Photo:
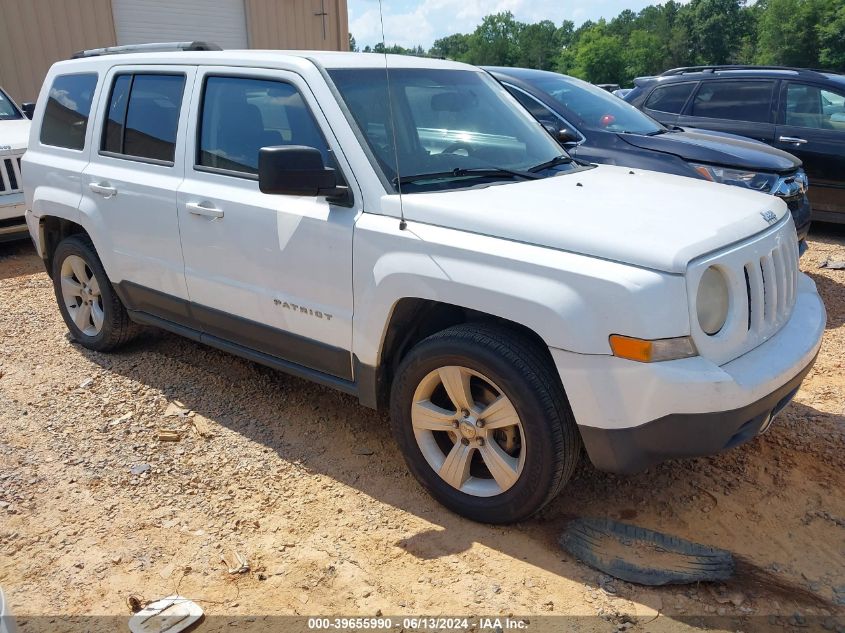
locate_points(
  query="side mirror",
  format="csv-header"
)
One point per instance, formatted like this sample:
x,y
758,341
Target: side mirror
x,y
560,133
296,170
551,127
28,109
565,136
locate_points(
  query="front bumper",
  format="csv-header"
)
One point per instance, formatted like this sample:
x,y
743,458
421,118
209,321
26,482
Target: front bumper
x,y
12,223
633,415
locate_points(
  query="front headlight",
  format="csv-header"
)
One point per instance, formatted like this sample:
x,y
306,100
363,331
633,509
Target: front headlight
x,y
758,181
712,301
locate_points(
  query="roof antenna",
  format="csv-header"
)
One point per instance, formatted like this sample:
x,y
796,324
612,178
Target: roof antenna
x,y
402,224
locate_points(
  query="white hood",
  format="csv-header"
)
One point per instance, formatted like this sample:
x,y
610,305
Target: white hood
x,y
14,134
633,216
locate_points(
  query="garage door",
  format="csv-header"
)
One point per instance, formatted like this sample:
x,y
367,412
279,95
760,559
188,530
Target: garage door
x,y
141,21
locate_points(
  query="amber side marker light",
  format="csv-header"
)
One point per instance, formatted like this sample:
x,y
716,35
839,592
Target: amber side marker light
x,y
701,169
652,351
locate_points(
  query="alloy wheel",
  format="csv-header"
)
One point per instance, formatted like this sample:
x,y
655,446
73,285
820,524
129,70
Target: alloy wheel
x,y
468,431
81,295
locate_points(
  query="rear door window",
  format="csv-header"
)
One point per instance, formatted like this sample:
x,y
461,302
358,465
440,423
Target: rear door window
x,y
736,100
68,108
670,99
116,114
143,116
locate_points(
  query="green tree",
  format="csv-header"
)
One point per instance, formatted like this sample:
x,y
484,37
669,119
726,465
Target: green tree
x,y
787,34
645,54
495,41
807,33
599,58
748,47
831,31
715,29
454,47
352,45
538,45
623,24
565,33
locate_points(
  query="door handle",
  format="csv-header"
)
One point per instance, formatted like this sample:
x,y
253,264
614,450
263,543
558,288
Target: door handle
x,y
198,208
792,139
105,190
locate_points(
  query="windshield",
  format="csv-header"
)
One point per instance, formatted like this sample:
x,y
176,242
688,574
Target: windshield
x,y
8,110
597,108
458,127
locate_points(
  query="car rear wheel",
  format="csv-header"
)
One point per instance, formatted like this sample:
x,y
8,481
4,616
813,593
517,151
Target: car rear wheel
x,y
483,422
89,305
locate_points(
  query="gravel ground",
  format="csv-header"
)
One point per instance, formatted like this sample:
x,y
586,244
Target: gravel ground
x,y
309,488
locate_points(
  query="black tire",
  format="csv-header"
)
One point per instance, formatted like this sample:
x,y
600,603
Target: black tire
x,y
525,374
642,556
117,328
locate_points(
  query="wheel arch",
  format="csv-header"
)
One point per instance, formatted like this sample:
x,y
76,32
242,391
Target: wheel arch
x,y
411,320
51,231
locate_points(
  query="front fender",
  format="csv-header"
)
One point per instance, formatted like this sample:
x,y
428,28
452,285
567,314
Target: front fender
x,y
572,302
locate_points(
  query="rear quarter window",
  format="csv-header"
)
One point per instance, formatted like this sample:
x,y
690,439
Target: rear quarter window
x,y
68,107
669,98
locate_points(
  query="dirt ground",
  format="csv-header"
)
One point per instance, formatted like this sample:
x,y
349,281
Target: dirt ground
x,y
308,486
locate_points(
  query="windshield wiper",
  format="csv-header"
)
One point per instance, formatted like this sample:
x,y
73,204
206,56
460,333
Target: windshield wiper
x,y
460,172
557,160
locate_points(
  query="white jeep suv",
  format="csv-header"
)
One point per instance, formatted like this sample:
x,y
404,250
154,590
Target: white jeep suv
x,y
14,133
417,239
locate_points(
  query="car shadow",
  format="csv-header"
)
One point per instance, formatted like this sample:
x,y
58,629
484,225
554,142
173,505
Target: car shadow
x,y
329,433
829,287
17,258
831,284
827,232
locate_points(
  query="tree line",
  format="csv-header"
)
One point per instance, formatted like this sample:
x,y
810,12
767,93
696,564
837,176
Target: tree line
x,y
806,33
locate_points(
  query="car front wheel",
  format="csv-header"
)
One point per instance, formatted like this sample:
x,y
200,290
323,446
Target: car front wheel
x,y
483,422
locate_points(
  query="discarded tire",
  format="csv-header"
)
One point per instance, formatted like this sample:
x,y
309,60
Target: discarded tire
x,y
642,556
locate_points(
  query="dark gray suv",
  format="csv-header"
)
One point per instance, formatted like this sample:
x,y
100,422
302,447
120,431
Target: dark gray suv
x,y
797,110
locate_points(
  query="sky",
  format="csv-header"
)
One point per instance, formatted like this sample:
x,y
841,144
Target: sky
x,y
412,22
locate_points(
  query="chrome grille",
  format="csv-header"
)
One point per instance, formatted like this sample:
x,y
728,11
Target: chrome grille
x,y
762,276
10,175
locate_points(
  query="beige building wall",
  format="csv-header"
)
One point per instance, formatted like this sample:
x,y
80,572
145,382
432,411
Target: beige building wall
x,y
36,33
298,24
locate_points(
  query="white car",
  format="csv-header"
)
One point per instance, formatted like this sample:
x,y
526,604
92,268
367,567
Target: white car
x,y
506,303
14,134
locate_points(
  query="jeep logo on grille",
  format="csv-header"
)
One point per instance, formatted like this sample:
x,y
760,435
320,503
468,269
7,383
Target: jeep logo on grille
x,y
769,216
5,148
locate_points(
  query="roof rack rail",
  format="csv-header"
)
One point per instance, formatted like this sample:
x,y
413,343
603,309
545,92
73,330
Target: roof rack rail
x,y
826,71
714,67
154,47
